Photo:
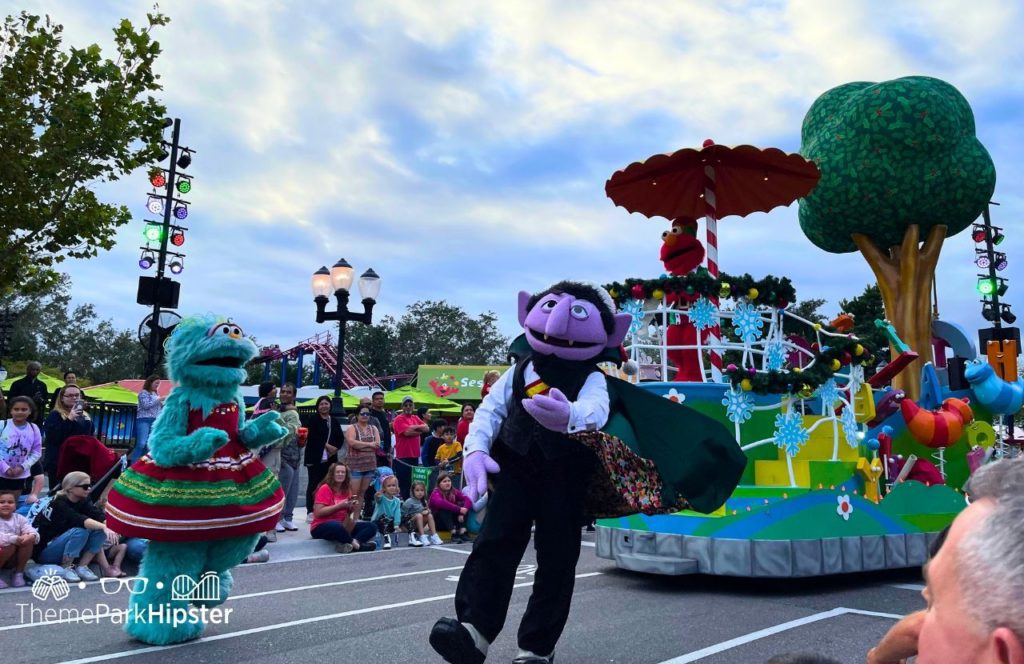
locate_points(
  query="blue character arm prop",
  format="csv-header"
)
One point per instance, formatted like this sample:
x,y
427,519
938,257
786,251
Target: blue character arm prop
x,y
261,431
169,445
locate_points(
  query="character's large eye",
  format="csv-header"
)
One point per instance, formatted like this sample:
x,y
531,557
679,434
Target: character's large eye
x,y
547,305
677,230
227,329
579,312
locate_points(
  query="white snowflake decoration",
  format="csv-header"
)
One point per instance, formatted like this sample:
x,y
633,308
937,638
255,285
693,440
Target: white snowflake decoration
x,y
790,433
634,308
739,405
850,428
774,355
829,394
703,314
748,322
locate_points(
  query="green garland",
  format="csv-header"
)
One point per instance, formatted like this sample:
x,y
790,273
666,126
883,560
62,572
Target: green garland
x,y
769,291
805,381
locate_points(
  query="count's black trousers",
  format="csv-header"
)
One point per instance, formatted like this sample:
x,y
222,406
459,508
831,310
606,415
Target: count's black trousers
x,y
528,490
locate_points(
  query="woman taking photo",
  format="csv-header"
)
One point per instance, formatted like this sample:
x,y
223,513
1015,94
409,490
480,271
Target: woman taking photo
x,y
362,439
335,508
150,404
324,439
67,419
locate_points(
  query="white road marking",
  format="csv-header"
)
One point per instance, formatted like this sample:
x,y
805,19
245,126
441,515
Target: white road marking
x,y
285,625
769,631
249,595
917,587
449,549
590,544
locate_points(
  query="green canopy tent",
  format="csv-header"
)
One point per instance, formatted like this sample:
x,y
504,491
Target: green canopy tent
x,y
52,384
347,400
111,394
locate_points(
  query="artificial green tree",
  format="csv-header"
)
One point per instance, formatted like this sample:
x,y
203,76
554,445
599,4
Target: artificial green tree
x,y
901,170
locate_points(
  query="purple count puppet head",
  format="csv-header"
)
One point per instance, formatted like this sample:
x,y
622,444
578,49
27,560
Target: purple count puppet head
x,y
571,320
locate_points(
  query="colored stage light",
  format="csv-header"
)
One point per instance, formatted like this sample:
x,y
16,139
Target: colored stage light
x,y
155,205
1001,262
979,234
998,238
184,186
178,238
185,160
153,233
1008,316
146,260
157,179
180,211
986,286
177,265
982,261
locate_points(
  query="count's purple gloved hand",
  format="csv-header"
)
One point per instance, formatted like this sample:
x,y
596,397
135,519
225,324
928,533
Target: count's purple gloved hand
x,y
475,468
551,411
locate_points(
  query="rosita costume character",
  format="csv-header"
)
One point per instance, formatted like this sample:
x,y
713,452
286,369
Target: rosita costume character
x,y
200,495
558,437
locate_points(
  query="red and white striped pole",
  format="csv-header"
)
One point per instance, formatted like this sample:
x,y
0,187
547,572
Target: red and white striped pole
x,y
711,216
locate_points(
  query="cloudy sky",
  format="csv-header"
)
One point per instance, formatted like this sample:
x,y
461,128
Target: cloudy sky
x,y
461,149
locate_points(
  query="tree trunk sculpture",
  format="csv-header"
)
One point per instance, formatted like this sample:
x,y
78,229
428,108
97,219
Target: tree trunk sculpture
x,y
905,276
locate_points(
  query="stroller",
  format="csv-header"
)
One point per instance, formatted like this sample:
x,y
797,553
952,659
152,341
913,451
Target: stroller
x,y
89,455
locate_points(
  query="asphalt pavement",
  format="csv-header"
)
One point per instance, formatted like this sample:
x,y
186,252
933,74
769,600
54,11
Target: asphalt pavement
x,y
309,604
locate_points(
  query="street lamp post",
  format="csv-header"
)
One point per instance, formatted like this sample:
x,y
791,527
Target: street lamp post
x,y
339,280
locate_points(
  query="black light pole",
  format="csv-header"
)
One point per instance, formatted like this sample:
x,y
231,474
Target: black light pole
x,y
339,279
171,206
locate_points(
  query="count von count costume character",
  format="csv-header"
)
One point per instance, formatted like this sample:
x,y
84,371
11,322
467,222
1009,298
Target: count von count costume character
x,y
560,440
200,495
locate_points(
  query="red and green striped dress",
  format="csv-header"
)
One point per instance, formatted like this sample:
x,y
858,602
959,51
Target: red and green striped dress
x,y
228,495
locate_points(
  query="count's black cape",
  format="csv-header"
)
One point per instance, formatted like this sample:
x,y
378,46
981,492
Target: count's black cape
x,y
697,457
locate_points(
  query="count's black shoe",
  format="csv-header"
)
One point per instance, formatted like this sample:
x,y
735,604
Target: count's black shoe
x,y
454,642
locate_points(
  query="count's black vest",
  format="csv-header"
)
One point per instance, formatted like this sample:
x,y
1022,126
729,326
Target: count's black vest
x,y
523,434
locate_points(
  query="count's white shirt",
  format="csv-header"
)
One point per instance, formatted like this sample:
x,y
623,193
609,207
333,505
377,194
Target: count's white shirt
x,y
588,413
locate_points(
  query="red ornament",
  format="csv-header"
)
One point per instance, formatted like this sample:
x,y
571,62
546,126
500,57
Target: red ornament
x,y
846,358
816,347
638,292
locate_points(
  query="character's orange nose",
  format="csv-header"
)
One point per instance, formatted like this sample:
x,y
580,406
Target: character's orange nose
x,y
671,239
235,335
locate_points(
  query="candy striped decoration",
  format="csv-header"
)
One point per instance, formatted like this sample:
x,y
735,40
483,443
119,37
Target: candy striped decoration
x,y
711,245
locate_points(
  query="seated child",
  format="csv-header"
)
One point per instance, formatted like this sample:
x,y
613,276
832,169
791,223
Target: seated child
x,y
450,507
387,508
449,455
417,519
17,538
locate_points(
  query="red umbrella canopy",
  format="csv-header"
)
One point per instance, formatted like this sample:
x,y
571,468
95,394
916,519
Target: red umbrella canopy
x,y
746,179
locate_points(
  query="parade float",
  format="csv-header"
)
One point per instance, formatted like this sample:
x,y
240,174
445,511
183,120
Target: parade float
x,y
855,461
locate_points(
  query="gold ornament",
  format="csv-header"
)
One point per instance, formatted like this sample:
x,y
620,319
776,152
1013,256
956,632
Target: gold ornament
x,y
836,364
858,350
657,294
752,294
725,290
746,385
614,293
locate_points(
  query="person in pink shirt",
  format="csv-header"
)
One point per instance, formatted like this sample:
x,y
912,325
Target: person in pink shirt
x,y
408,427
450,507
21,445
334,514
17,538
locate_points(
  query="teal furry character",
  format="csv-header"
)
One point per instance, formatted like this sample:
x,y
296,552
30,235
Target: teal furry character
x,y
201,495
